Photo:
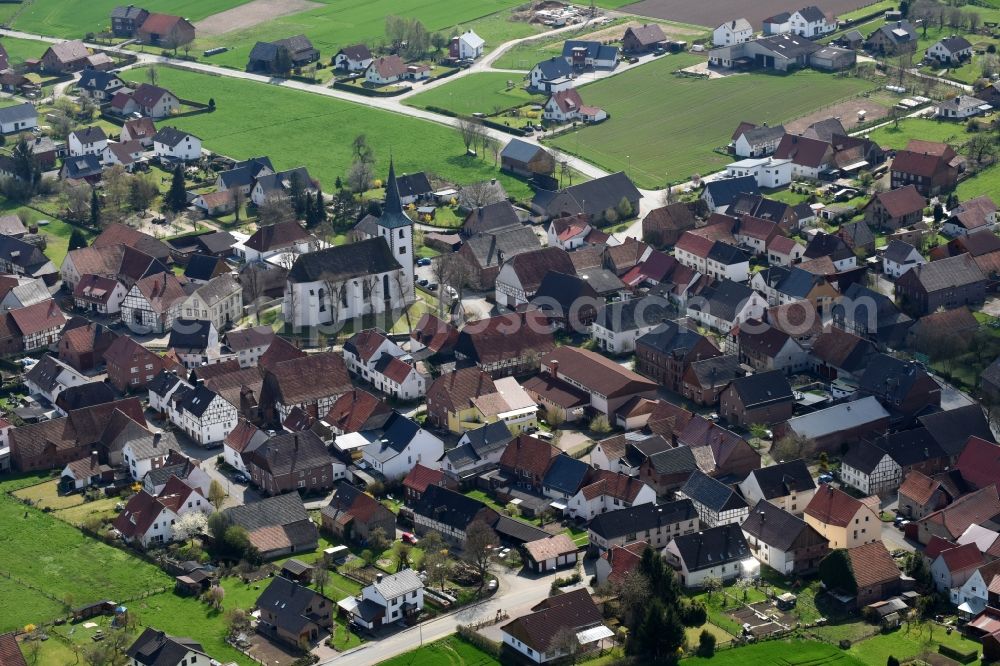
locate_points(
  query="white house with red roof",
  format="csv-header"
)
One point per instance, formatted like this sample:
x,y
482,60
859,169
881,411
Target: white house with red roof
x,y
385,70
569,232
244,438
371,355
567,106
954,566
784,251
99,294
149,519
609,491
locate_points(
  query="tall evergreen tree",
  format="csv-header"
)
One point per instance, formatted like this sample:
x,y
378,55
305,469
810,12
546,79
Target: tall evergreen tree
x,y
95,209
308,213
77,240
320,207
176,199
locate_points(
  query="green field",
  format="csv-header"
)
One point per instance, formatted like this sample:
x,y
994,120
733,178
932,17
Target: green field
x,y
484,93
665,128
453,651
28,606
882,6
74,19
985,182
296,128
895,138
19,50
339,23
905,644
53,557
780,653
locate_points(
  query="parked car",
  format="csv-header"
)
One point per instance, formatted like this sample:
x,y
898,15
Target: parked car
x,y
424,261
632,60
410,538
423,282
432,286
825,477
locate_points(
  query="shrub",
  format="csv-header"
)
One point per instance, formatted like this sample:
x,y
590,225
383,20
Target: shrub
x,y
475,639
706,643
960,656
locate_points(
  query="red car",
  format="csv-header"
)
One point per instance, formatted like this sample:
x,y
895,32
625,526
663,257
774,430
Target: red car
x,y
409,538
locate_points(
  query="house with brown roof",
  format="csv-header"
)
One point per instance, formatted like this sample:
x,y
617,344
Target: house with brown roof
x,y
280,238
37,326
416,481
311,383
665,353
932,168
640,39
608,491
954,566
866,573
608,385
895,209
293,461
764,397
525,461
66,57
550,553
520,277
10,653
243,439
504,345
433,336
83,344
946,283
920,495
166,30
839,354
567,106
131,366
663,226
353,515
356,411
972,216
536,634
979,463
276,526
846,522
951,521
139,129
765,348
385,70
450,398
616,563
153,304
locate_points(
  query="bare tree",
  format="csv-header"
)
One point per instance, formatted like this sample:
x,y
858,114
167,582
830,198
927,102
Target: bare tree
x,y
469,130
478,194
320,575
973,19
336,292
404,289
495,147
253,288
566,643
480,542
359,176
77,201
152,75
273,210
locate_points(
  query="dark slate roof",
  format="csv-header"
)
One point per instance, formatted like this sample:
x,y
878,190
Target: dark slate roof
x,y
520,151
558,292
91,79
726,254
446,506
828,245
784,479
127,12
614,524
911,447
864,457
202,267
639,447
554,68
898,251
486,247
890,377
853,309
356,52
512,529
678,460
398,432
764,388
342,262
594,196
393,216
717,371
565,474
712,493
489,437
290,603
197,400
669,337
290,452
18,112
956,43
278,510
951,429
773,525
414,184
82,166
86,395
725,190
633,314
812,13
722,300
595,50
155,648
190,334
170,136
712,547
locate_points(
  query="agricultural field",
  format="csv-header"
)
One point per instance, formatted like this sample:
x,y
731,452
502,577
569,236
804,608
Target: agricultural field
x,y
780,653
19,50
664,128
485,92
882,6
74,19
332,24
985,182
294,128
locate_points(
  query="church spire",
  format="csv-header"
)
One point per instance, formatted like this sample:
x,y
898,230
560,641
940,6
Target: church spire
x,y
393,204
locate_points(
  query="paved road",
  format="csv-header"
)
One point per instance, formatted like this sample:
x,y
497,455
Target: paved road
x,y
516,595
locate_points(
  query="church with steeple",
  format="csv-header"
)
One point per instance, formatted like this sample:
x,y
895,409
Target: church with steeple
x,y
371,276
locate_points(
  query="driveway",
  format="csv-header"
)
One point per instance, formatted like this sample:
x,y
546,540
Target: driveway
x,y
516,595
237,494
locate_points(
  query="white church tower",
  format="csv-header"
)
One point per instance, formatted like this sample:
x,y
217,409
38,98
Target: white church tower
x,y
397,229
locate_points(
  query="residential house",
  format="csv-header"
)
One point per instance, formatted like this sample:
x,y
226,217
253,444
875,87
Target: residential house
x,y
719,194
520,277
951,51
385,70
753,141
402,445
931,167
165,30
312,383
811,22
467,46
840,425
663,226
655,524
769,172
126,20
872,315
249,344
536,635
153,303
49,377
720,552
951,521
292,613
353,515
550,553
478,450
83,346
845,521
783,541
299,51
149,520
765,348
979,463
961,107
525,461
640,39
505,345
725,305
293,461
954,566
552,75
242,439
902,387
390,598
450,398
276,526
704,381
608,491
591,199
920,495
416,481
716,503
354,58
895,209
449,514
899,257
619,325
764,398
171,143
858,236
98,86
787,486
664,353
869,571
156,648
893,38
732,32
155,102
582,54
976,214
66,57
567,106
130,365
34,327
87,141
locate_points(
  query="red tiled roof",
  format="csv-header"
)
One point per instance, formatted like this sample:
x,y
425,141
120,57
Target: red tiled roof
x,y
623,560
140,512
241,435
936,546
420,477
975,507
160,24
455,390
277,236
278,351
389,66
902,201
979,463
612,484
594,372
872,565
529,454
696,244
397,370
351,411
962,557
782,244
919,487
832,506
10,653
434,333
38,317
365,343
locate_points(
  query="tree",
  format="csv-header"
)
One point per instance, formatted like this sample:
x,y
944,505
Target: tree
x,y
211,104
437,560
274,210
214,596
378,540
77,201
758,431
239,200
238,622
26,167
439,40
706,643
141,192
973,19
792,446
320,576
469,130
480,540
175,199
633,593
77,240
402,551
624,209
217,528
359,176
566,643
712,584
95,209
320,206
190,525
216,494
152,75
296,192
599,424
891,661
282,62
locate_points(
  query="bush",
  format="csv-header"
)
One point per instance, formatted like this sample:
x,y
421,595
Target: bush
x,y
706,643
475,639
958,655
694,614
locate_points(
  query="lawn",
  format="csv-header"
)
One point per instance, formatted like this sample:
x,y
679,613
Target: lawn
x,y
909,643
54,557
61,18
487,92
25,606
721,635
296,128
665,127
452,650
984,182
339,23
781,653
57,233
78,515
883,6
896,138
19,50
46,496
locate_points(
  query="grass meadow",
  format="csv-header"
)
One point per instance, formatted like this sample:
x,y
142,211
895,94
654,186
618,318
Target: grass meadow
x,y
296,128
477,93
665,128
780,653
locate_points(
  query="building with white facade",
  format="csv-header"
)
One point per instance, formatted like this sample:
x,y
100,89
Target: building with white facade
x,y
401,446
732,32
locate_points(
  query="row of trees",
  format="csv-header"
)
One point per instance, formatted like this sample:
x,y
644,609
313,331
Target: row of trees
x,y
936,13
408,37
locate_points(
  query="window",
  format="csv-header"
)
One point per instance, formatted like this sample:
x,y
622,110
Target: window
x,y
400,233
402,249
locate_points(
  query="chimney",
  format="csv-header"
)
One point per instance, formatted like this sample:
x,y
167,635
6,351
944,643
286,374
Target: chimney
x,y
378,578
156,438
94,462
554,368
